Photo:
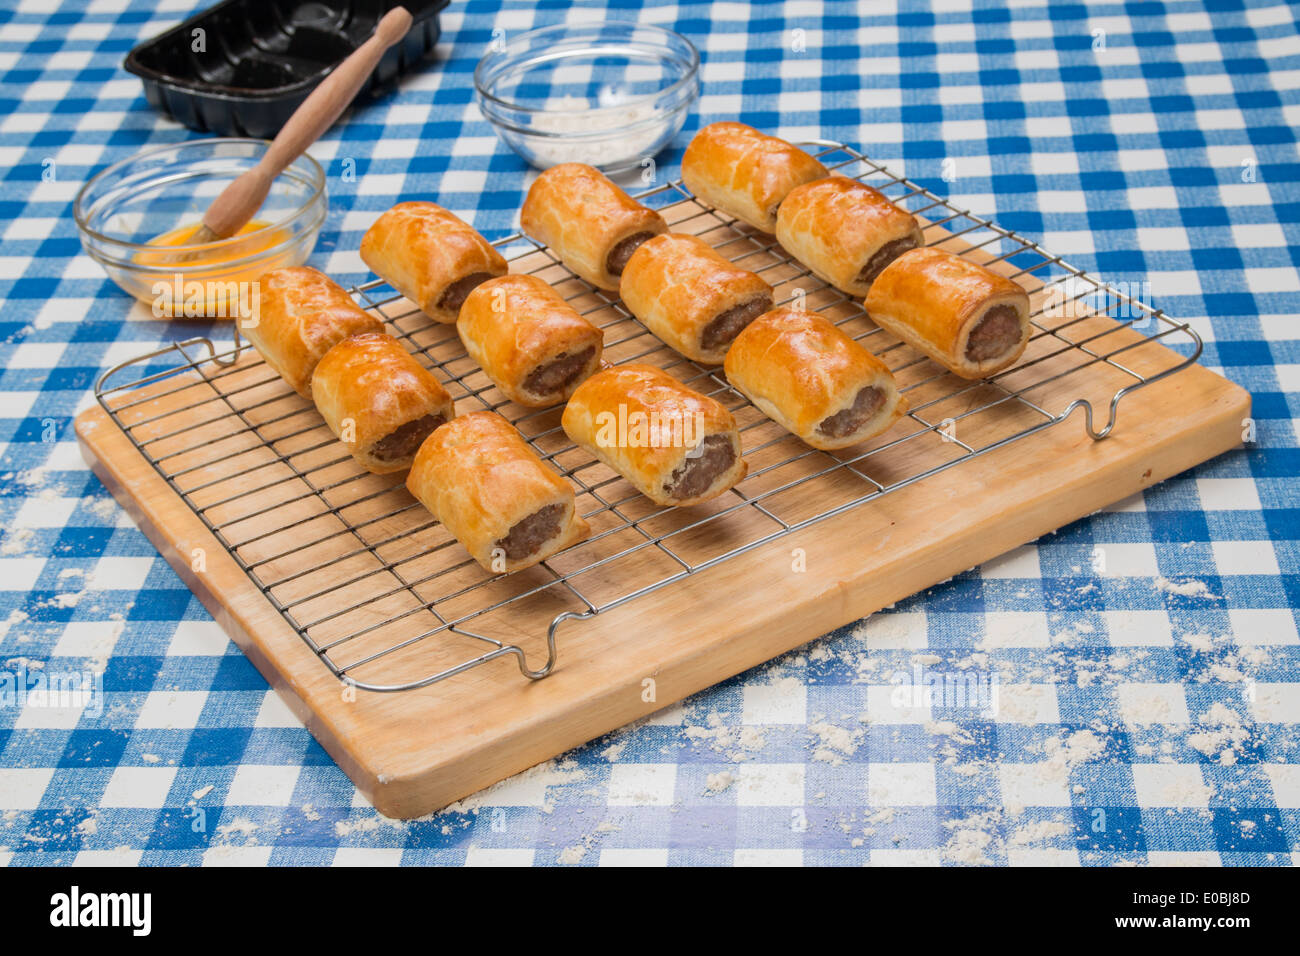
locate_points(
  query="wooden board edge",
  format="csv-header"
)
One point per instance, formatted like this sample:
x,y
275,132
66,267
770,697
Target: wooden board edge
x,y
220,570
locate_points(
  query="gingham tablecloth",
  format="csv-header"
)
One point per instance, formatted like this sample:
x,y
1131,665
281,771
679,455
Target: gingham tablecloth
x,y
1147,656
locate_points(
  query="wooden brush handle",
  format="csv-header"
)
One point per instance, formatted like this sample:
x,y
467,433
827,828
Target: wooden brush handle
x,y
240,200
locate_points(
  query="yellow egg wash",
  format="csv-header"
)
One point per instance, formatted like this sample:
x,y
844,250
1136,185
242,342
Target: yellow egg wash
x,y
200,287
184,234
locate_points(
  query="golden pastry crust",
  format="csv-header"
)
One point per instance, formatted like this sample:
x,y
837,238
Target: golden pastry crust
x,y
684,292
301,315
379,400
478,476
676,446
839,227
430,255
745,173
806,374
584,218
934,300
528,340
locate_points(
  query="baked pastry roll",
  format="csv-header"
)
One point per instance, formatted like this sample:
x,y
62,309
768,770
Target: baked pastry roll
x,y
490,490
845,231
528,340
301,315
379,401
745,173
431,256
591,224
970,320
676,446
812,379
691,297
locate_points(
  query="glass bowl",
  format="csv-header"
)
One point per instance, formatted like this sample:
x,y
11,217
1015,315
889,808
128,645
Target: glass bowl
x,y
167,189
611,95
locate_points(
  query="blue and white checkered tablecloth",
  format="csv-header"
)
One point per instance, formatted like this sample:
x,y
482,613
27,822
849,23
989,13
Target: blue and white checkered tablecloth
x,y
1149,703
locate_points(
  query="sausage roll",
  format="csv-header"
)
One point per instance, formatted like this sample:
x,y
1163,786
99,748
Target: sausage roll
x,y
811,378
691,297
844,231
591,224
528,340
490,490
676,446
379,401
745,173
971,321
301,315
431,256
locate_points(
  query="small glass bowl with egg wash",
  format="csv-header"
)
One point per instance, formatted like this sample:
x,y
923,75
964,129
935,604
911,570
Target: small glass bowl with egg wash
x,y
609,94
137,219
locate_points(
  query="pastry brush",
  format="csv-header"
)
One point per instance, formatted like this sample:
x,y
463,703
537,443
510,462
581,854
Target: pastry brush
x,y
239,201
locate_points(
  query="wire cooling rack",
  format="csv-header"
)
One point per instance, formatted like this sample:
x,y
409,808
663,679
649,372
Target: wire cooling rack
x,y
389,601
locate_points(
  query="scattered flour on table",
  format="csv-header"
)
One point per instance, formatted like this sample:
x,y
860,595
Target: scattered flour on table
x,y
1226,673
833,742
1188,588
955,733
718,782
736,743
575,854
15,617
1224,737
369,824
976,836
614,751
971,837
17,541
103,508
572,855
38,480
1039,832
240,826
1078,747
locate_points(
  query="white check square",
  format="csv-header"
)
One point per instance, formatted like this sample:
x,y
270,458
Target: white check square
x,y
770,785
1170,785
642,784
901,785
256,785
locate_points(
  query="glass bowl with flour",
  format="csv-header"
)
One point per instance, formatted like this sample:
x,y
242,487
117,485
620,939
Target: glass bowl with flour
x,y
611,94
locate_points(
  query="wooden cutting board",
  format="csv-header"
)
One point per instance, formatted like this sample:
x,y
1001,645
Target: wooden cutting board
x,y
416,751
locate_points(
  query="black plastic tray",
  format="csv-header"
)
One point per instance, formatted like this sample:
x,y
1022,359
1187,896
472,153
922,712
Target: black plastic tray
x,y
259,59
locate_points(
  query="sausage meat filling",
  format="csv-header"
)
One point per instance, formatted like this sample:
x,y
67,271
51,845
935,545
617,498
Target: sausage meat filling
x,y
721,330
454,296
407,439
695,475
528,535
995,334
865,405
616,261
558,374
883,257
